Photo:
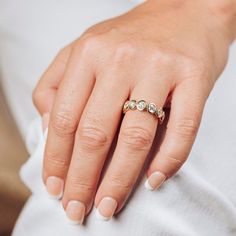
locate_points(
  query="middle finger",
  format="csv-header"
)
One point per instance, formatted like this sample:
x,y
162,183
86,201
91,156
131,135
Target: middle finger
x,y
134,142
94,136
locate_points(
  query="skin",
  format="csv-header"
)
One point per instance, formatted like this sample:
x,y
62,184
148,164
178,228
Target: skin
x,y
161,51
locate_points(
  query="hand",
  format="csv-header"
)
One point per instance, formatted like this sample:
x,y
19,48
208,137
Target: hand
x,y
161,51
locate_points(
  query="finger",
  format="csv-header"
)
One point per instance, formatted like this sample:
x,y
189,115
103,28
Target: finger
x,y
186,110
134,142
72,95
49,82
95,133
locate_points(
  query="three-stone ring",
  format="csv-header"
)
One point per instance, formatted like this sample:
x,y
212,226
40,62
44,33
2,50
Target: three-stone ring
x,y
142,105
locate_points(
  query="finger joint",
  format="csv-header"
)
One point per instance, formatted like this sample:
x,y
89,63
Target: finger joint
x,y
136,138
186,128
64,124
92,139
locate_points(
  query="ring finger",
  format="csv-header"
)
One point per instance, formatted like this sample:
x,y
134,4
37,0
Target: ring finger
x,y
134,142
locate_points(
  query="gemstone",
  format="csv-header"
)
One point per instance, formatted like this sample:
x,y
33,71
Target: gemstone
x,y
141,105
152,107
132,104
126,106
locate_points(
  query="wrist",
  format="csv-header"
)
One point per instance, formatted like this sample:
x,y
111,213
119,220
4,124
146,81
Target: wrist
x,y
218,14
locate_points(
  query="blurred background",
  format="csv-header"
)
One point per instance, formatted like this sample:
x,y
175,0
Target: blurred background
x,y
13,193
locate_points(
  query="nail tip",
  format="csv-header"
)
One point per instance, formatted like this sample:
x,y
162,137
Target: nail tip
x,y
157,178
54,187
148,186
75,212
74,222
100,216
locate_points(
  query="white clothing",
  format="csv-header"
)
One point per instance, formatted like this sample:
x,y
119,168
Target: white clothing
x,y
199,200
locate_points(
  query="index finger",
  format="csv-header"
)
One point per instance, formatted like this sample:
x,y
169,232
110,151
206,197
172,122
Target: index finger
x,y
71,98
49,82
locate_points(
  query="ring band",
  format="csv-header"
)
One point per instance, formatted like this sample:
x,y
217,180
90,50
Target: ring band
x,y
142,105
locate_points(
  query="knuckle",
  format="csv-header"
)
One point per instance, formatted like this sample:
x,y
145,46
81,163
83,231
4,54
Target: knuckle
x,y
55,161
86,46
175,160
90,43
80,186
63,123
162,58
92,138
64,54
186,127
120,183
124,51
136,138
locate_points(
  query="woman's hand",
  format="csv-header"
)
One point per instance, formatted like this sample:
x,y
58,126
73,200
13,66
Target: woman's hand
x,y
161,51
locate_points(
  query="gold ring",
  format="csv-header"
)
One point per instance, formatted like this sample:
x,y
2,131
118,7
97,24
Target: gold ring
x,y
142,105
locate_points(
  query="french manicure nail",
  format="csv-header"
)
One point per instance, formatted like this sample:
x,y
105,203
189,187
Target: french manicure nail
x,y
75,212
54,186
155,180
106,208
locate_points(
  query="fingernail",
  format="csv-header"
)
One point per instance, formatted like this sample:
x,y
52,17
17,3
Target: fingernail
x,y
54,186
75,212
155,180
45,121
106,208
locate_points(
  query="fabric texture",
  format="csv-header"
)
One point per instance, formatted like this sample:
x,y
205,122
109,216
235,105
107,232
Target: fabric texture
x,y
199,200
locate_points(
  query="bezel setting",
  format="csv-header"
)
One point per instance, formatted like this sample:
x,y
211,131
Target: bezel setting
x,y
142,105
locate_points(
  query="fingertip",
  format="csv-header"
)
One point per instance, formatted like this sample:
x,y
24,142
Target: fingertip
x,y
75,211
100,216
55,187
147,185
106,208
155,180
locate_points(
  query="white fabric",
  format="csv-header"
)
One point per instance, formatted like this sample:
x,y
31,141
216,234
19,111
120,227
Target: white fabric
x,y
199,200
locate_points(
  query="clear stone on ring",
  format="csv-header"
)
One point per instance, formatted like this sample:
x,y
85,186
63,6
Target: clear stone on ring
x,y
132,104
141,105
152,107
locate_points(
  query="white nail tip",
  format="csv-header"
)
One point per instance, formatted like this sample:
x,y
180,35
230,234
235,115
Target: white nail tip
x,y
73,222
148,186
100,216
